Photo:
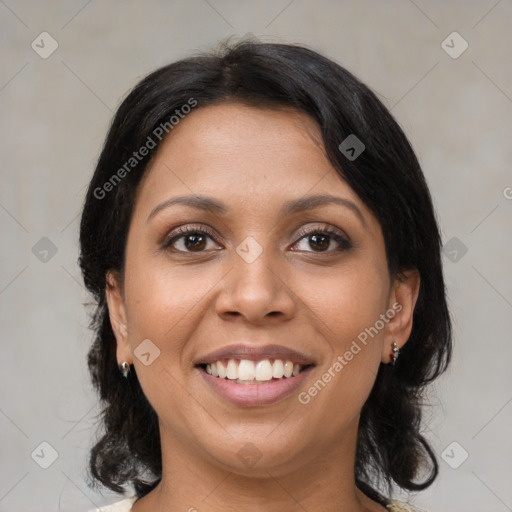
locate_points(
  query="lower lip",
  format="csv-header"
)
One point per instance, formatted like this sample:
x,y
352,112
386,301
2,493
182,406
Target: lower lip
x,y
253,395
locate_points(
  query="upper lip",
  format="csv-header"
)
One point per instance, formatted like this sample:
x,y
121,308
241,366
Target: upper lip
x,y
255,353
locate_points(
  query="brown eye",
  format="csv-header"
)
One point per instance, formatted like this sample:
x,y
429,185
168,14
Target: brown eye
x,y
319,242
188,239
195,242
323,240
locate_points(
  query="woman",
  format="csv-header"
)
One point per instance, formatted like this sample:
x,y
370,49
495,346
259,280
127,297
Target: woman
x,y
264,254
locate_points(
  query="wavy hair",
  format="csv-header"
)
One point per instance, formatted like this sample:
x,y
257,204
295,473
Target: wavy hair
x,y
386,176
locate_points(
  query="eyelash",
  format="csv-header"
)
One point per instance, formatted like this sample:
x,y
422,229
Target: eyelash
x,y
182,231
342,240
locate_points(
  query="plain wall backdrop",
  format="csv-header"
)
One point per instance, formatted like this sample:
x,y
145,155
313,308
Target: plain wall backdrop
x,y
454,103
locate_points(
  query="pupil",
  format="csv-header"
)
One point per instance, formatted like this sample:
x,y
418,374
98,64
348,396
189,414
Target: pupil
x,y
321,241
195,242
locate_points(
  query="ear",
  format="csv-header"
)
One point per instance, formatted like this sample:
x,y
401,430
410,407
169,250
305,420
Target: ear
x,y
117,314
402,300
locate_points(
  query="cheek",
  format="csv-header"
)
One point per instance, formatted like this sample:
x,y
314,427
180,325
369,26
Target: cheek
x,y
163,301
346,301
346,306
164,306
160,297
345,313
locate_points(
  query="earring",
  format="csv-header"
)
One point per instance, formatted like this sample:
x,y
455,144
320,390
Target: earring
x,y
395,353
124,368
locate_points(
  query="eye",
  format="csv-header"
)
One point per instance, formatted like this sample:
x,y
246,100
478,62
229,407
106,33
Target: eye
x,y
323,240
190,239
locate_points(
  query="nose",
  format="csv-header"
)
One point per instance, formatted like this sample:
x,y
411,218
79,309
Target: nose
x,y
256,291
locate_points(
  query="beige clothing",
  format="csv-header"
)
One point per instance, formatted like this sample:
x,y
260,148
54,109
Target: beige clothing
x,y
126,505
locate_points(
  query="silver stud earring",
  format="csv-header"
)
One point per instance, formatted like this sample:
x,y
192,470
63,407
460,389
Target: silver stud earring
x,y
395,353
124,368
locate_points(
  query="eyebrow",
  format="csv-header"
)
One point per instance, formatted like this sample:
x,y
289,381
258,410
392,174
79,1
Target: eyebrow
x,y
315,201
198,202
212,205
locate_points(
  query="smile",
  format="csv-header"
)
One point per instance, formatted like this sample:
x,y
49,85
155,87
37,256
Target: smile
x,y
249,372
250,391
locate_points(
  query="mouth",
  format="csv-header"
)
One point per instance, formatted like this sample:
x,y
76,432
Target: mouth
x,y
248,372
251,376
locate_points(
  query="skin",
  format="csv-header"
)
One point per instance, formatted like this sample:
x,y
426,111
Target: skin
x,y
294,294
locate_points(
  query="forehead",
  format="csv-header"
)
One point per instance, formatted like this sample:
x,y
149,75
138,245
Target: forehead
x,y
248,156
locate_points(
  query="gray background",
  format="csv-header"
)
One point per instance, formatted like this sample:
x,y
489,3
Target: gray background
x,y
55,113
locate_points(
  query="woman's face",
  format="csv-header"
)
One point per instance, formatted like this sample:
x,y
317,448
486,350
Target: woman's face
x,y
281,263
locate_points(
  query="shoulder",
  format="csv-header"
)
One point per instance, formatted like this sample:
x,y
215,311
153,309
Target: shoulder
x,y
400,506
119,506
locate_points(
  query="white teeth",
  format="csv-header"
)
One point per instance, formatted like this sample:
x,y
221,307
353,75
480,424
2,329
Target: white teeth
x,y
245,371
278,369
232,370
221,370
263,370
